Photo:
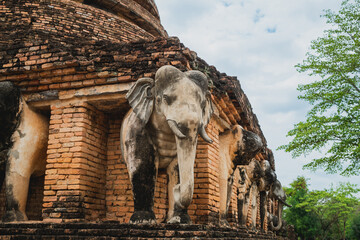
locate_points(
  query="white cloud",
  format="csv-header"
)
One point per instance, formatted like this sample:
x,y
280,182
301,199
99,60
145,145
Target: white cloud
x,y
259,42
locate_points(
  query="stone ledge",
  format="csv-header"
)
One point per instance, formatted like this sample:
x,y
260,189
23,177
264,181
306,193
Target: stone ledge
x,y
115,230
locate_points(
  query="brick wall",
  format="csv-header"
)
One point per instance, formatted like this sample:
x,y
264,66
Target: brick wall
x,y
66,19
76,163
205,205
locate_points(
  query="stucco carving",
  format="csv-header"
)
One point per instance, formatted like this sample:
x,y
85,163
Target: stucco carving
x,y
237,147
24,137
160,131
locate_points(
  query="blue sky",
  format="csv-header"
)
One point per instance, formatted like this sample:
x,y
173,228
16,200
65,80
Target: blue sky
x,y
259,41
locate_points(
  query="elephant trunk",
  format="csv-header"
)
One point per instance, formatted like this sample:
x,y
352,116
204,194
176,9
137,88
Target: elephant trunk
x,y
278,227
186,152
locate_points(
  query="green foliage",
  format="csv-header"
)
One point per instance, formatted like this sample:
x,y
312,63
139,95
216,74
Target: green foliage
x,y
321,214
353,232
305,223
333,123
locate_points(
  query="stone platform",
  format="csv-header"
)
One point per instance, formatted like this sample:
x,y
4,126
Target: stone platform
x,y
115,230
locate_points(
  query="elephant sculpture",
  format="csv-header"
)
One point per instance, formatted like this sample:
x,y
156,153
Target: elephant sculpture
x,y
261,180
277,193
237,146
248,190
243,192
23,144
161,132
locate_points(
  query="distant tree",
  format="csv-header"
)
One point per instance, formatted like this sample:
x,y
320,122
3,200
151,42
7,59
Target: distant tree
x,y
321,214
333,123
333,208
306,224
353,232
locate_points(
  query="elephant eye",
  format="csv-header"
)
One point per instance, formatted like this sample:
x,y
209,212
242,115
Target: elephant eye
x,y
169,99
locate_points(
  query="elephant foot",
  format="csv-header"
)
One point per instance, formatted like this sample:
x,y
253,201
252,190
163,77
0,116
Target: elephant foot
x,y
143,217
180,217
14,216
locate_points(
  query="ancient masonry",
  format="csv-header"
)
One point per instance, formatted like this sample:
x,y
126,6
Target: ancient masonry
x,y
74,62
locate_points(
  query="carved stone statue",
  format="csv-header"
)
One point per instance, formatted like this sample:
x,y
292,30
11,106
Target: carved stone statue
x,y
23,144
160,131
237,147
277,193
259,179
243,195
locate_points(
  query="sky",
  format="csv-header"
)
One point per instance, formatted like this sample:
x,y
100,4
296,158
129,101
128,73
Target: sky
x,y
259,41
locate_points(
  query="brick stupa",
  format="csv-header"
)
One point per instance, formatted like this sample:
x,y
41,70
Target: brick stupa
x,y
75,61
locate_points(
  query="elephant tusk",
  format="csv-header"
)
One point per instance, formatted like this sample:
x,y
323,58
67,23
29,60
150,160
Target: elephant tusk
x,y
283,202
204,135
286,204
175,128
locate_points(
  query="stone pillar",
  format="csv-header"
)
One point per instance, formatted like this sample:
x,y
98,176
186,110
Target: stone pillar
x,y
206,201
74,188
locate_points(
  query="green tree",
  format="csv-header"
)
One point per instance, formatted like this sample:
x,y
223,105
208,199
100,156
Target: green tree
x,y
353,232
333,123
306,224
321,214
333,208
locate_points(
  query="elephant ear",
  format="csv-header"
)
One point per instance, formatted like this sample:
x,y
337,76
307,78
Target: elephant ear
x,y
209,110
202,81
141,98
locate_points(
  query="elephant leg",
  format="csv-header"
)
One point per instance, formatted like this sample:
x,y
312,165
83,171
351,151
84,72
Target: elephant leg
x,y
245,208
143,178
173,176
242,204
140,161
254,206
16,189
176,214
17,177
226,190
263,208
229,186
2,177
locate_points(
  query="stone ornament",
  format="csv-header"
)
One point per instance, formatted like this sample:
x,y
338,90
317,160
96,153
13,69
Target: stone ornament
x,y
23,144
161,132
259,179
237,147
277,193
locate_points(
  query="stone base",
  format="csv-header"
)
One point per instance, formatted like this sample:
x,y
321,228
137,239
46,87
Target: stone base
x,y
115,230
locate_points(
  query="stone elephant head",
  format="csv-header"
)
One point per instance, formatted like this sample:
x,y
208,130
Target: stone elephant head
x,y
182,99
278,193
161,131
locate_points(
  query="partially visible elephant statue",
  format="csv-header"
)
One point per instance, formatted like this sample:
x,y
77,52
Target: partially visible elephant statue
x,y
237,147
243,195
260,178
23,144
161,131
277,193
252,175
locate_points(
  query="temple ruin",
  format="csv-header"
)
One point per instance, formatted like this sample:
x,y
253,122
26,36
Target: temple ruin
x,y
74,62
